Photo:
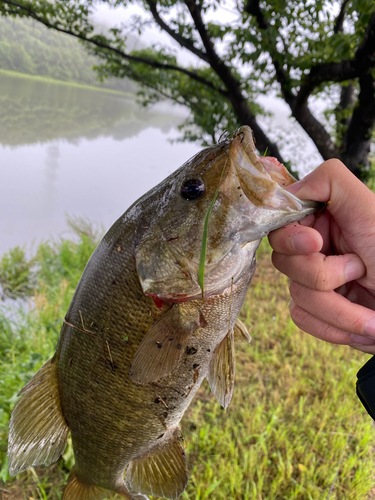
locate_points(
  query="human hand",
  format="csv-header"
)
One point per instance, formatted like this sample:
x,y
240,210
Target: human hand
x,y
332,265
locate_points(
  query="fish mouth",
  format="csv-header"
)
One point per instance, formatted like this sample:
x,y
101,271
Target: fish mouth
x,y
263,179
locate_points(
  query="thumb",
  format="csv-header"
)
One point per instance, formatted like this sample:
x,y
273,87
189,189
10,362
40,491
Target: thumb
x,y
349,199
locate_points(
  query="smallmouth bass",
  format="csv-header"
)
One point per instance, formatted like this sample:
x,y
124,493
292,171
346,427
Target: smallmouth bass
x,y
143,330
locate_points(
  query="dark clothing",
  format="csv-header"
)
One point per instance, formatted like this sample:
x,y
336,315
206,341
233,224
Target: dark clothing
x,y
366,386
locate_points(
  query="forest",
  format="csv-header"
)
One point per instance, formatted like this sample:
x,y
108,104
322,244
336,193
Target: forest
x,y
28,47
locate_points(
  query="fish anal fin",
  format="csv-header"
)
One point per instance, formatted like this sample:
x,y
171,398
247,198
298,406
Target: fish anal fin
x,y
78,489
164,344
241,333
222,370
38,431
163,471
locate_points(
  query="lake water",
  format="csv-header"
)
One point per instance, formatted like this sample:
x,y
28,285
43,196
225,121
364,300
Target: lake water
x,y
64,149
85,152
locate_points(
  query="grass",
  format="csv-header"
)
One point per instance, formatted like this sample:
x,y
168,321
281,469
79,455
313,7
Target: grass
x,y
294,429
47,79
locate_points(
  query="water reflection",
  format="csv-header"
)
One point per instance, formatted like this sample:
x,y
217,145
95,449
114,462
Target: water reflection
x,y
38,111
51,166
85,152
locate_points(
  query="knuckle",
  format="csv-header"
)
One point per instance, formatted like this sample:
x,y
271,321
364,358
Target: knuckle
x,y
299,316
321,279
357,325
328,333
300,294
280,262
332,163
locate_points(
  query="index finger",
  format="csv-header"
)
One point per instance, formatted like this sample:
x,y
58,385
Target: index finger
x,y
333,182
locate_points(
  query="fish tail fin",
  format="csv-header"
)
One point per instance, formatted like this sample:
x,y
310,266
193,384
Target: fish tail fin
x,y
38,431
77,489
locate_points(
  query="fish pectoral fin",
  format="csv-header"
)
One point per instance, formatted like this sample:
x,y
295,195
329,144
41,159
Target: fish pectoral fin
x,y
38,431
78,489
241,333
161,472
162,347
222,370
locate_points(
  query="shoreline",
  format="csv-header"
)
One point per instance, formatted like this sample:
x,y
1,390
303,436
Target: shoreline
x,y
48,79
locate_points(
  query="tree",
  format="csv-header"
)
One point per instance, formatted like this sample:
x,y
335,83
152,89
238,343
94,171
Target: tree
x,y
299,49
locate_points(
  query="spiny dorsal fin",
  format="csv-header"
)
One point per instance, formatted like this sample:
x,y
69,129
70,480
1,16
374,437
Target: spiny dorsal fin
x,y
163,471
165,342
38,431
241,333
222,370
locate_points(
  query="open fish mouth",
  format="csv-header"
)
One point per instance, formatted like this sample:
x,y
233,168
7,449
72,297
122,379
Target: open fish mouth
x,y
263,179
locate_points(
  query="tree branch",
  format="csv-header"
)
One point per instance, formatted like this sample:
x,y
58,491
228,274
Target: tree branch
x,y
98,43
339,21
359,133
235,95
184,42
252,7
362,63
316,131
300,110
346,92
347,97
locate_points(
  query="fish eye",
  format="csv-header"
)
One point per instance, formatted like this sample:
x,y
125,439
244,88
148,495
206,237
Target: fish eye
x,y
192,189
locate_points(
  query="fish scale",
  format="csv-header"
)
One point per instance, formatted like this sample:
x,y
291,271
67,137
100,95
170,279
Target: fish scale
x,y
142,331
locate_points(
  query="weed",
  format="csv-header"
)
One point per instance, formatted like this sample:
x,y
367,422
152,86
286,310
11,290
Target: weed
x,y
294,429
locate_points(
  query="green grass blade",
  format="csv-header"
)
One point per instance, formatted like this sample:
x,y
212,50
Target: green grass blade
x,y
202,260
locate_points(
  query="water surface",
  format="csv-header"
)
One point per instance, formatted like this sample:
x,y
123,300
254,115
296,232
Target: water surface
x,y
65,149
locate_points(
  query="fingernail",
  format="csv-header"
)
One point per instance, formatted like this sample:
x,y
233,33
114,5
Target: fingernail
x,y
370,328
361,340
294,188
354,269
301,242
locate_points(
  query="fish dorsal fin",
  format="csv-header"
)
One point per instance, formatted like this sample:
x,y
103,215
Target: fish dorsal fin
x,y
38,431
163,471
241,333
164,344
222,370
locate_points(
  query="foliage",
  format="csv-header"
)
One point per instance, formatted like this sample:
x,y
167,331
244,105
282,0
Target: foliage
x,y
294,429
29,331
27,47
16,278
300,51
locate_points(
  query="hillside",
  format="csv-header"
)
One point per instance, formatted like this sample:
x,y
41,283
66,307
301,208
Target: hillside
x,y
29,47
